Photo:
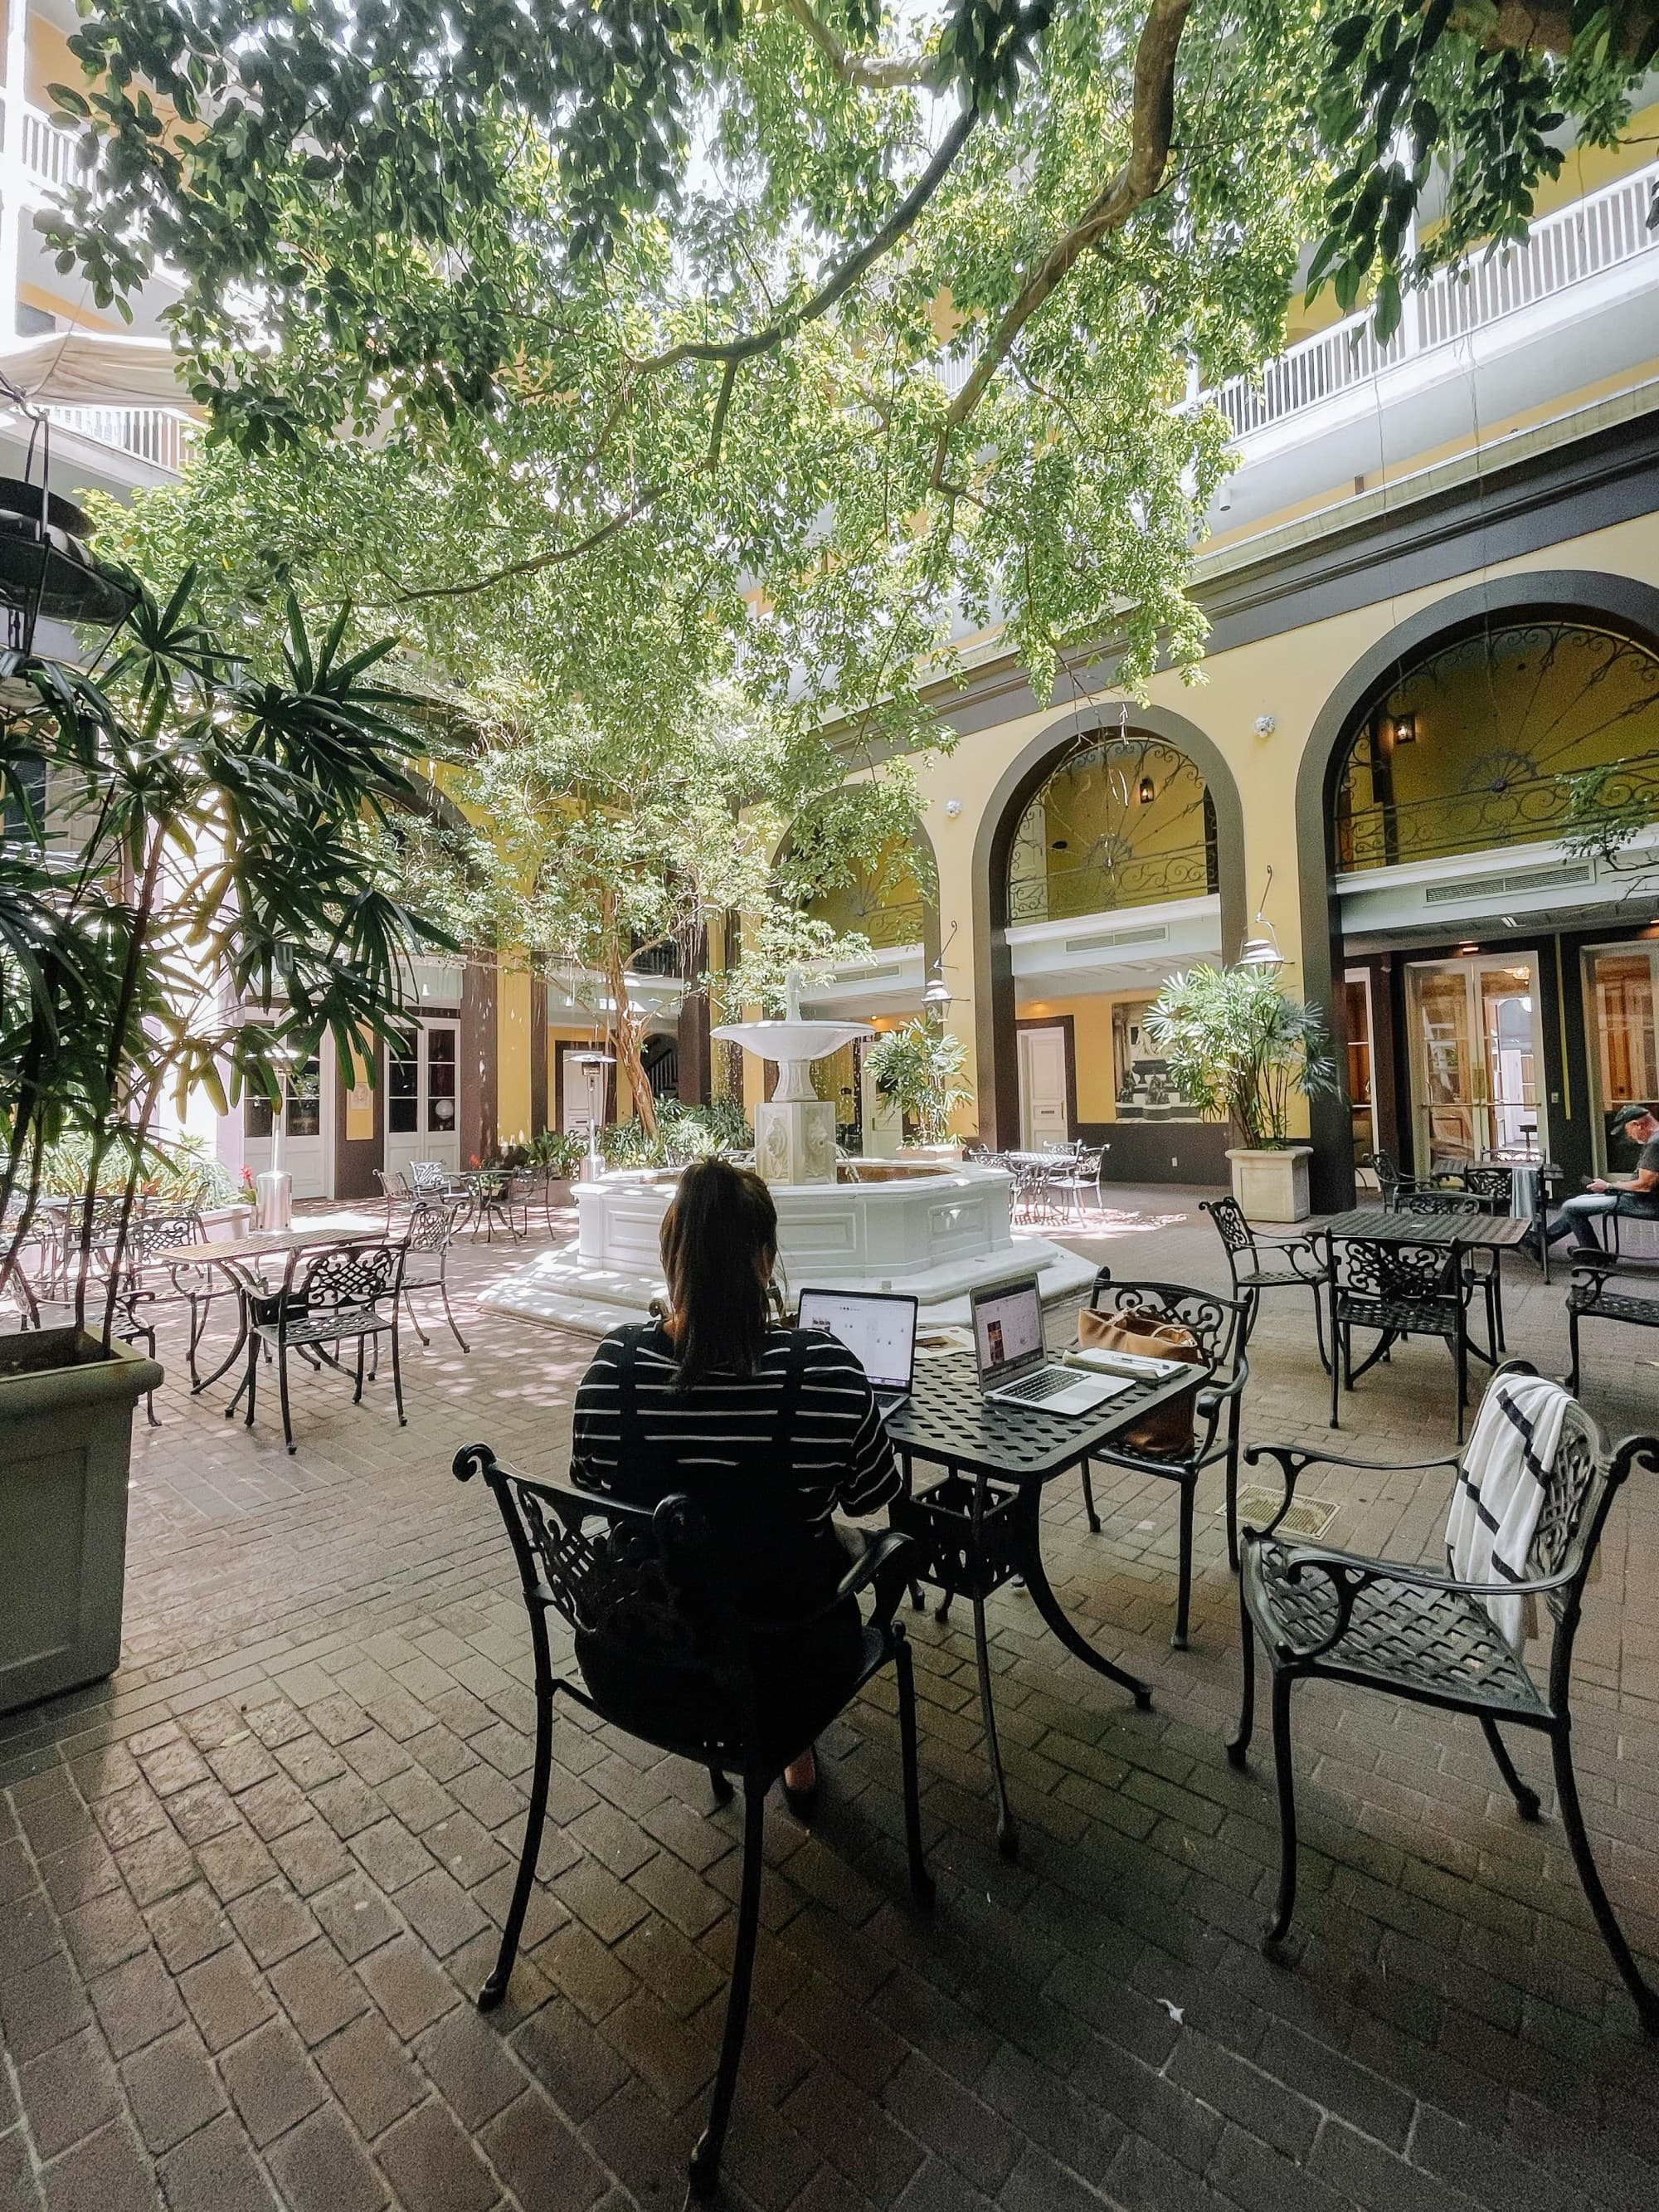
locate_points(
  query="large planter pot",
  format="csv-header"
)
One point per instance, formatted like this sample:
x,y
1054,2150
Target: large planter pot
x,y
1271,1186
65,1449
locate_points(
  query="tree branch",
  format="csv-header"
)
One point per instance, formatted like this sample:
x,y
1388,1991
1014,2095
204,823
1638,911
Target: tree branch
x,y
1151,122
836,287
878,72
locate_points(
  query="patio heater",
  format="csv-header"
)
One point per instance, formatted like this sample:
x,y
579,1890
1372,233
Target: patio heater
x,y
592,1169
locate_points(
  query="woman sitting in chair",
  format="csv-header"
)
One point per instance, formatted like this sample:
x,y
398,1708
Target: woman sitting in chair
x,y
770,1430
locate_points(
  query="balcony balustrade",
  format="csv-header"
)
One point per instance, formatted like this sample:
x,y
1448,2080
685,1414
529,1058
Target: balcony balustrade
x,y
1509,810
1096,886
1604,230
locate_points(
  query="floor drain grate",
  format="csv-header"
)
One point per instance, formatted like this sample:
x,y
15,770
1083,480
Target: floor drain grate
x,y
1309,1517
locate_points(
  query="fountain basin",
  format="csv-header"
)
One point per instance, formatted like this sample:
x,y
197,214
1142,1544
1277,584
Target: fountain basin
x,y
939,1236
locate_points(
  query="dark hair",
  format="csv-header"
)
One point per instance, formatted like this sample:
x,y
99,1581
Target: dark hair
x,y
719,1237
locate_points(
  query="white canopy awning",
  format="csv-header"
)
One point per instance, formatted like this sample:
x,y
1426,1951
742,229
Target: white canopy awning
x,y
97,368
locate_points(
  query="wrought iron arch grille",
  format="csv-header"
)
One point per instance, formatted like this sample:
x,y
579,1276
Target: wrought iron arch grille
x,y
1476,744
1125,822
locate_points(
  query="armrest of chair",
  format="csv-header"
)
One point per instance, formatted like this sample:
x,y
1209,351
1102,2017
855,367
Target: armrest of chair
x,y
883,1566
1293,1461
1359,1572
1213,1395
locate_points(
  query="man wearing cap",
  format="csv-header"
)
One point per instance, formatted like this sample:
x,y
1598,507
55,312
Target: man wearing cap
x,y
1637,1193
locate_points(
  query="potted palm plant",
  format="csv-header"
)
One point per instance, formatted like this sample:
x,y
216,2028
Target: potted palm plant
x,y
917,1068
1236,1045
191,895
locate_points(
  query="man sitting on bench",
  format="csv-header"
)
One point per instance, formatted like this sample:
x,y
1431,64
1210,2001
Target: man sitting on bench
x,y
1637,1194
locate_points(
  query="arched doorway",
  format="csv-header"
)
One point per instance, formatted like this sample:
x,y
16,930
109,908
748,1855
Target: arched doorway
x,y
1110,857
1487,972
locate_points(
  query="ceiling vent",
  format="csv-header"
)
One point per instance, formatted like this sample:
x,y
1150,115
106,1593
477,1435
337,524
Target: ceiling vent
x,y
1530,879
1109,940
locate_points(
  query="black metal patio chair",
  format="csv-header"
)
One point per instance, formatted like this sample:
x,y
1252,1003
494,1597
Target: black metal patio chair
x,y
1400,1291
1220,1326
1391,1180
1414,1632
1480,1263
1251,1275
1075,1178
345,1294
397,1190
426,1242
645,1594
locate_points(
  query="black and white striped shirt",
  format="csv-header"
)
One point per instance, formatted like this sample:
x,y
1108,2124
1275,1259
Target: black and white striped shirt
x,y
834,1458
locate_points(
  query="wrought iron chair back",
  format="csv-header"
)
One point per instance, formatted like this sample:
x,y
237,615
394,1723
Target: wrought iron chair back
x,y
344,1278
645,1588
1220,1327
1232,1227
431,1226
1493,1186
1214,1319
1385,1273
1391,1180
429,1174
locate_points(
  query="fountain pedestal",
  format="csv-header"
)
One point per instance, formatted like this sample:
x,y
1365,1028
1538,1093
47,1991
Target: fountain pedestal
x,y
794,1129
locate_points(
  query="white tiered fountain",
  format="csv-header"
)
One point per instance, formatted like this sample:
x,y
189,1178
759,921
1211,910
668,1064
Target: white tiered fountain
x,y
937,1230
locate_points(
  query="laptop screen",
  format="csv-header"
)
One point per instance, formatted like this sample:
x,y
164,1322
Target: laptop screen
x,y
878,1328
1007,1329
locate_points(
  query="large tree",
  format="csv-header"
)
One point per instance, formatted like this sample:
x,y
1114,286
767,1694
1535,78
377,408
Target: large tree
x,y
681,273
609,785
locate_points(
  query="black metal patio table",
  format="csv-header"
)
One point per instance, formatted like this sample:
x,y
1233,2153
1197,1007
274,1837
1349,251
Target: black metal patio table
x,y
979,1525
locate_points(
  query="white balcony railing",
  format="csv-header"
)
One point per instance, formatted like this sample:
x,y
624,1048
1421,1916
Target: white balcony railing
x,y
156,434
48,154
1601,232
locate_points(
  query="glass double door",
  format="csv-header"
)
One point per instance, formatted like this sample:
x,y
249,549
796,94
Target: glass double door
x,y
423,1098
1477,1058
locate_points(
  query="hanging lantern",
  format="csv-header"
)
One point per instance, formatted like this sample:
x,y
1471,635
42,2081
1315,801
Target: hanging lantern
x,y
1148,791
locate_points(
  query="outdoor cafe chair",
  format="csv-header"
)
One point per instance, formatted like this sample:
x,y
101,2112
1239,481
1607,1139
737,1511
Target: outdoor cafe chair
x,y
1420,1634
1400,1290
644,1592
397,1190
426,1243
1480,1265
1071,1176
1390,1178
1220,1327
343,1294
1292,1263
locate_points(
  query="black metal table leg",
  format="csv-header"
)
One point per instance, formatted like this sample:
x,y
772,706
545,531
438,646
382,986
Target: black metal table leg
x,y
207,1381
1007,1832
1027,1523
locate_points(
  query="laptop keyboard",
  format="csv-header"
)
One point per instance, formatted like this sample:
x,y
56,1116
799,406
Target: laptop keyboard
x,y
1046,1382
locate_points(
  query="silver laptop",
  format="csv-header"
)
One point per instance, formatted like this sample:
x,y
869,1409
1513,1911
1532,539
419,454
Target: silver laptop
x,y
1014,1366
878,1327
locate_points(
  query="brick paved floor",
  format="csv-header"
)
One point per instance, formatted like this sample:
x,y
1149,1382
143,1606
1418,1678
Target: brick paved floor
x,y
248,1887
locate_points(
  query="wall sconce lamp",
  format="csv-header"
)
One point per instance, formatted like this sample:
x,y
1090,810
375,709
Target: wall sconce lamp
x,y
1148,791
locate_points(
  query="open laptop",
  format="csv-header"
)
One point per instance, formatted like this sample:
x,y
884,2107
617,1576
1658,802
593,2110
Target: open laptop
x,y
878,1327
1014,1366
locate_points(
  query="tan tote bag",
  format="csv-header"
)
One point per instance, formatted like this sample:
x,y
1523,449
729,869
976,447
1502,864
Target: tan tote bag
x,y
1167,1431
